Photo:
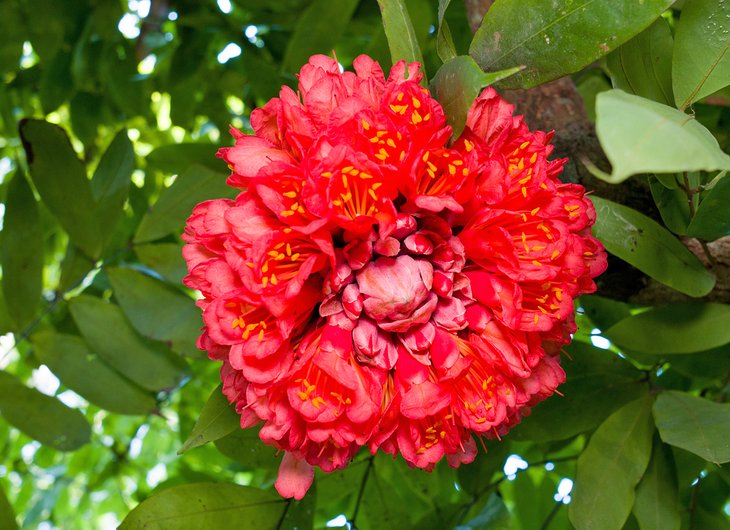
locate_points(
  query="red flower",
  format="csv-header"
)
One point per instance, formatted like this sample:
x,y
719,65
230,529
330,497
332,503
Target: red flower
x,y
374,285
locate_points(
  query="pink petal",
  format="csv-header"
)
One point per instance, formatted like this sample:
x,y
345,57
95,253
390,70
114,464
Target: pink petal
x,y
295,477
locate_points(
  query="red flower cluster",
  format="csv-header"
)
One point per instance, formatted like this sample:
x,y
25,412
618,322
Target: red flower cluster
x,y
375,284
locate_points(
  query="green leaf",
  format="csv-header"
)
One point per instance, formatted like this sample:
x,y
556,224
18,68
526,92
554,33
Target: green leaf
x,y
71,359
712,220
176,202
642,136
177,158
41,417
695,424
300,514
245,447
477,475
7,516
649,247
318,30
701,62
444,42
557,39
75,267
611,466
110,336
56,81
675,328
217,419
604,312
643,66
457,84
60,178
110,184
657,496
672,205
597,383
589,86
493,516
21,253
12,30
155,309
207,505
399,31
165,259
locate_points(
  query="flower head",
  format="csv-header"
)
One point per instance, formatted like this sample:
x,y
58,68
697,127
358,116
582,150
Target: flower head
x,y
379,284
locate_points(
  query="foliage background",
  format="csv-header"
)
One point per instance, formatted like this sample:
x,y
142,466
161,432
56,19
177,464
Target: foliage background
x,y
101,385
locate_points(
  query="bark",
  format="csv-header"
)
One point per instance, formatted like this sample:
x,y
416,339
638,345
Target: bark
x,y
558,106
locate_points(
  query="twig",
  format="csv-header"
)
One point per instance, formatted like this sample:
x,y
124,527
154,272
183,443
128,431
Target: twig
x,y
283,514
352,521
549,519
690,193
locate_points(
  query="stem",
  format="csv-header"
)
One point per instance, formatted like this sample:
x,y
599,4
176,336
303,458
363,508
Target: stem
x,y
693,505
690,193
549,519
358,502
465,509
283,514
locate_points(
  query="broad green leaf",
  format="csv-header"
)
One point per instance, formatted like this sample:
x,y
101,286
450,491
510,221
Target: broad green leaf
x,y
695,424
207,505
41,417
675,328
56,81
494,515
444,41
300,514
6,322
556,39
597,383
318,30
604,312
589,86
657,495
643,136
611,466
217,419
164,258
672,205
669,180
533,487
110,184
21,253
84,372
176,203
701,62
177,158
475,477
60,178
75,267
399,31
643,66
7,515
457,84
649,247
712,220
11,28
245,447
706,364
109,335
155,309
386,501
